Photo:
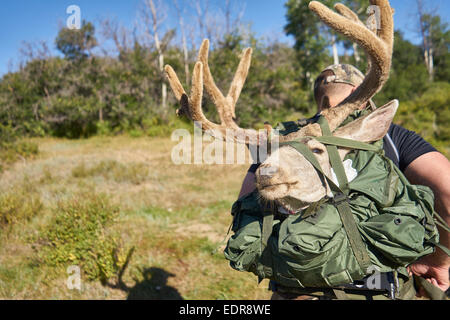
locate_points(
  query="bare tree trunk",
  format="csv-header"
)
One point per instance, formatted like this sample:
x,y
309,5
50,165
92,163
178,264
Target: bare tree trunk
x,y
100,114
335,51
428,57
100,110
160,52
186,59
359,9
426,40
184,42
356,53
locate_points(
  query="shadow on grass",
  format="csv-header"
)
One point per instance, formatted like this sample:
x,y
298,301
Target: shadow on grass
x,y
153,287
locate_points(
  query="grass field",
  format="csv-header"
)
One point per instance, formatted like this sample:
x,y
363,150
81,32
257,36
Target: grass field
x,y
89,202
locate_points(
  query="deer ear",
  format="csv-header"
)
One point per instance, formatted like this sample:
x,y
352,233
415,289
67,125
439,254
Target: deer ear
x,y
372,127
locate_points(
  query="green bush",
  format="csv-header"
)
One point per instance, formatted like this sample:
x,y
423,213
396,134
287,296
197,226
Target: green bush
x,y
13,147
17,206
429,115
80,234
103,128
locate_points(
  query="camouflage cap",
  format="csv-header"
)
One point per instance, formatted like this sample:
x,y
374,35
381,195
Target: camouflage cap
x,y
344,73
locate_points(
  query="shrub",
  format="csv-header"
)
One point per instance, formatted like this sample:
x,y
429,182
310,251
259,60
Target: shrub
x,y
429,115
103,128
17,206
12,149
80,234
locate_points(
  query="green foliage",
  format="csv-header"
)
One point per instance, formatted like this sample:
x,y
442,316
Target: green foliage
x,y
83,94
18,205
13,147
314,39
310,38
79,234
437,36
429,115
408,78
75,44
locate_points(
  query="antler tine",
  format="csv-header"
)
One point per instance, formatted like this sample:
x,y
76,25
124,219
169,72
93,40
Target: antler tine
x,y
378,48
239,79
347,12
225,105
216,95
179,92
174,82
192,106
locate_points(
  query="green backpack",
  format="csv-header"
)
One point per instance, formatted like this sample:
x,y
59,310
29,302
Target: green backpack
x,y
377,221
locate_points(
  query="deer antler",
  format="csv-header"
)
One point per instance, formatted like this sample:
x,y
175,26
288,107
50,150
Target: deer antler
x,y
192,106
236,85
378,48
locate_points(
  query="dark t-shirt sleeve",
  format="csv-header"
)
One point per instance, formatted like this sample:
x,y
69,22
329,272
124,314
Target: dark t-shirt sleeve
x,y
409,145
254,167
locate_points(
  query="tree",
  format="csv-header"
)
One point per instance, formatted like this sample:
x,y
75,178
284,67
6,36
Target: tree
x,y
180,15
360,8
310,40
435,42
153,15
408,78
76,44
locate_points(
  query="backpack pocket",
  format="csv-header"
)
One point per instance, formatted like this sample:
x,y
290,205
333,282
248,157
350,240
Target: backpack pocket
x,y
317,252
244,247
399,238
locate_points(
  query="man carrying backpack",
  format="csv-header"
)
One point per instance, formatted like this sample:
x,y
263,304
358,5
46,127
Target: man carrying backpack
x,y
416,158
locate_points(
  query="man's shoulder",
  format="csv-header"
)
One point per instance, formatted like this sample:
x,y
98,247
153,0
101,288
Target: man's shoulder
x,y
395,130
408,145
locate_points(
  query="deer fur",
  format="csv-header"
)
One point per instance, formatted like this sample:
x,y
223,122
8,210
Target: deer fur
x,y
293,181
287,177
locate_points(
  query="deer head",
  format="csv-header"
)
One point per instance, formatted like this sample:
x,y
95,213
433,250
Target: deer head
x,y
286,176
290,179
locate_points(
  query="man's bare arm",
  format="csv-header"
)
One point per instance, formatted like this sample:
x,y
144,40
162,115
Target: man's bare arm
x,y
433,170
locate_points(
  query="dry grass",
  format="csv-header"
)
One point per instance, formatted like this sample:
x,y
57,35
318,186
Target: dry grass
x,y
176,217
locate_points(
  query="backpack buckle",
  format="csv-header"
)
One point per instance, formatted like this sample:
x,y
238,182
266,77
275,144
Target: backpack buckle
x,y
339,198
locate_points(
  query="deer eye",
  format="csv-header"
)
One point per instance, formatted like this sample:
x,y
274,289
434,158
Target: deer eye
x,y
317,151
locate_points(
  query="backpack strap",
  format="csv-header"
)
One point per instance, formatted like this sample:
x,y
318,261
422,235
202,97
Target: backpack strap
x,y
433,292
347,143
340,193
267,224
341,200
267,228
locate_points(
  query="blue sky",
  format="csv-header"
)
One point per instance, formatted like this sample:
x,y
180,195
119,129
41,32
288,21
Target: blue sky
x,y
33,20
